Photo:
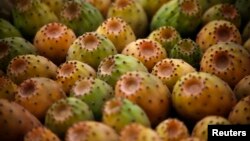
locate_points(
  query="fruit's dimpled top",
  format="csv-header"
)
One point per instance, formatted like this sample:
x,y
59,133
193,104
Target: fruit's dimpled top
x,y
218,31
193,93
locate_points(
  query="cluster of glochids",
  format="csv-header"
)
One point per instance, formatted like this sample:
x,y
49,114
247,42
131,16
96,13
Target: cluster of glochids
x,y
122,70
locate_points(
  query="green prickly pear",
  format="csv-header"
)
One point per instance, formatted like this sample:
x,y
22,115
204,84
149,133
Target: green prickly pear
x,y
119,112
94,92
8,30
64,113
183,15
13,46
80,16
30,15
112,67
187,50
91,48
167,36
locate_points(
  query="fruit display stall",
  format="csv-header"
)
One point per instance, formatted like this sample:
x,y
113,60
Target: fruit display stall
x,y
122,70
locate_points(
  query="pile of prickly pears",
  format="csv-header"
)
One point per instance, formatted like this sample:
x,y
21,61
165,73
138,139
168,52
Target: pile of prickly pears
x,y
122,70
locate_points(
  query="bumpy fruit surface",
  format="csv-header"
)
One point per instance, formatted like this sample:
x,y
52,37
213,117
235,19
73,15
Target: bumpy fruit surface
x,y
118,31
183,15
240,113
102,5
242,88
226,60
8,30
172,129
119,112
222,11
13,46
8,88
37,94
53,41
65,112
167,36
80,16
148,51
193,93
41,134
217,31
30,15
91,131
26,66
54,5
15,121
138,132
94,92
187,50
91,48
200,129
147,91
70,71
170,70
125,9
112,67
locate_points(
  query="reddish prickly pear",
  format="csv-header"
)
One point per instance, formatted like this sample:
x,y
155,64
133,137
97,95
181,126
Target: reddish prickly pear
x,y
15,121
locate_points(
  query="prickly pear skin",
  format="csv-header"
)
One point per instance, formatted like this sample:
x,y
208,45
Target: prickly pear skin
x,y
147,91
194,91
12,114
